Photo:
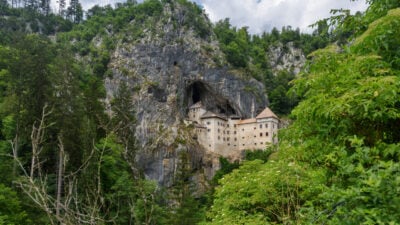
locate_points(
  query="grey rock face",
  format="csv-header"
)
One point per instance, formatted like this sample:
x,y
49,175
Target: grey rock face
x,y
169,70
286,57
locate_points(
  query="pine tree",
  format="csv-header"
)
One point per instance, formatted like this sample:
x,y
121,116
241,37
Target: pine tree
x,y
61,7
45,7
74,11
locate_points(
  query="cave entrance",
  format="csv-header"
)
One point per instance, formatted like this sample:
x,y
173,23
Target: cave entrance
x,y
200,91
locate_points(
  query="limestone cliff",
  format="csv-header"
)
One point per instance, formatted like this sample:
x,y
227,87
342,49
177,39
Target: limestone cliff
x,y
286,57
169,66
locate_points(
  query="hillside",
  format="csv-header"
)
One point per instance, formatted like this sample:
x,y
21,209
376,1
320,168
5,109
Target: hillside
x,y
94,112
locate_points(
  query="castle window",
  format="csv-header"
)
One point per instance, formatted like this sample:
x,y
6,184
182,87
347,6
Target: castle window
x,y
266,134
255,136
255,143
227,132
218,130
224,139
227,139
208,123
266,125
234,125
235,139
260,126
273,125
255,128
227,125
262,143
209,146
224,132
234,132
243,144
260,134
229,144
219,137
208,130
242,137
242,129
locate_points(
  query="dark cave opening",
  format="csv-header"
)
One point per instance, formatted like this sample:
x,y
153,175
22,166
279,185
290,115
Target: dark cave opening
x,y
197,90
200,91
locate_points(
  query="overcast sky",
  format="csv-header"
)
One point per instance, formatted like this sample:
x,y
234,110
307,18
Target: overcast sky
x,y
263,15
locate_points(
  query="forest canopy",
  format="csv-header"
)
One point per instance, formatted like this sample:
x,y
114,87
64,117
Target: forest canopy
x,y
64,160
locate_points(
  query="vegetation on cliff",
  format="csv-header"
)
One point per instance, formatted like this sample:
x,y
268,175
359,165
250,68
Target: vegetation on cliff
x,y
338,163
65,161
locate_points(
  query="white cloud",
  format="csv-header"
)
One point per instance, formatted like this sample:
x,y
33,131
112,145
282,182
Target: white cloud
x,y
261,15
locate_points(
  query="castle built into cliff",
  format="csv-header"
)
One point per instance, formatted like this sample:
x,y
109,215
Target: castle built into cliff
x,y
226,135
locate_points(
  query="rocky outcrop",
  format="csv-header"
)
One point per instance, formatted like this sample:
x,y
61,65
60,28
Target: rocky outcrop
x,y
286,57
168,68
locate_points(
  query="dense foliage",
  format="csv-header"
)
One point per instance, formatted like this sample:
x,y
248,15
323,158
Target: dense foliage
x,y
64,161
338,163
250,53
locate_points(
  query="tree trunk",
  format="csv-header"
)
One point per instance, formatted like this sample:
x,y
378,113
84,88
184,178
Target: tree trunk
x,y
60,174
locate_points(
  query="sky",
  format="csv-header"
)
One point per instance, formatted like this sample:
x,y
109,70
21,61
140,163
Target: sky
x,y
263,15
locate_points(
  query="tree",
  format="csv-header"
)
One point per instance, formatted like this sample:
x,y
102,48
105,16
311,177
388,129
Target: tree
x,y
45,7
186,209
74,11
11,211
338,162
61,7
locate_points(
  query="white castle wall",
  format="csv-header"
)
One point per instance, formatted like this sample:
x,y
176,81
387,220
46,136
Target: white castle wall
x,y
227,136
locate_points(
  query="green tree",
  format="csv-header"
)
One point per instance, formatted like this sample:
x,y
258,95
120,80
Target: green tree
x,y
75,11
338,162
186,209
11,211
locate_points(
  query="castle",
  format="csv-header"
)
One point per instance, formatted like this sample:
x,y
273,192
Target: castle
x,y
226,135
